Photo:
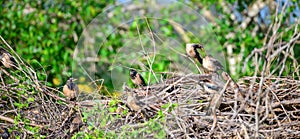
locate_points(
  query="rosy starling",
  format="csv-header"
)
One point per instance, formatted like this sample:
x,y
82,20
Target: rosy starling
x,y
7,60
137,78
133,103
71,90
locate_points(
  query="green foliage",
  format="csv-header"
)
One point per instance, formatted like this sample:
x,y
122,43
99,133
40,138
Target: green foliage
x,y
45,32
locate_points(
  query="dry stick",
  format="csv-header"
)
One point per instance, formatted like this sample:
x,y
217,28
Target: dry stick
x,y
3,83
177,52
286,102
190,95
12,77
12,121
287,45
87,73
214,109
273,38
267,104
170,86
237,94
180,30
276,117
154,51
148,58
285,57
177,121
245,131
255,51
224,134
258,100
279,103
250,92
21,69
3,40
169,132
150,63
67,118
9,111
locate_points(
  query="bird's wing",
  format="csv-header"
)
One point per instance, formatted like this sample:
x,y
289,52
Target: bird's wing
x,y
143,81
76,89
217,63
2,50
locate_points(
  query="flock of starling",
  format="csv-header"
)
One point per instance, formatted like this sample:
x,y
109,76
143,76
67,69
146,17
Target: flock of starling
x,y
209,64
71,91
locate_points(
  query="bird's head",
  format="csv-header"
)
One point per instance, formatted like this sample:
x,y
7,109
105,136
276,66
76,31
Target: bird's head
x,y
70,83
133,73
2,50
71,80
195,45
198,46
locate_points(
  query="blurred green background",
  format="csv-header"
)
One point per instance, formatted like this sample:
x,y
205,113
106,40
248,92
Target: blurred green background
x,y
45,33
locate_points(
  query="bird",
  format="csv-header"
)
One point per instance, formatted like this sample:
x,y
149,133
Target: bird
x,y
7,60
137,78
70,89
191,50
76,123
5,134
212,64
210,86
213,89
133,103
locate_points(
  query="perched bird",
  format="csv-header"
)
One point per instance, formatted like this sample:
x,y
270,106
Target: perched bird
x,y
214,90
209,63
133,103
191,50
209,86
7,60
70,89
212,64
137,78
5,134
76,124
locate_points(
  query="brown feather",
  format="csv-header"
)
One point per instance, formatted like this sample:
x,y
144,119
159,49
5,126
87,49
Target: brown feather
x,y
6,59
70,89
137,78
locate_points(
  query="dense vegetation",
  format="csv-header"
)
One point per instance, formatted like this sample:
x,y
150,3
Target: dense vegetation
x,y
45,34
